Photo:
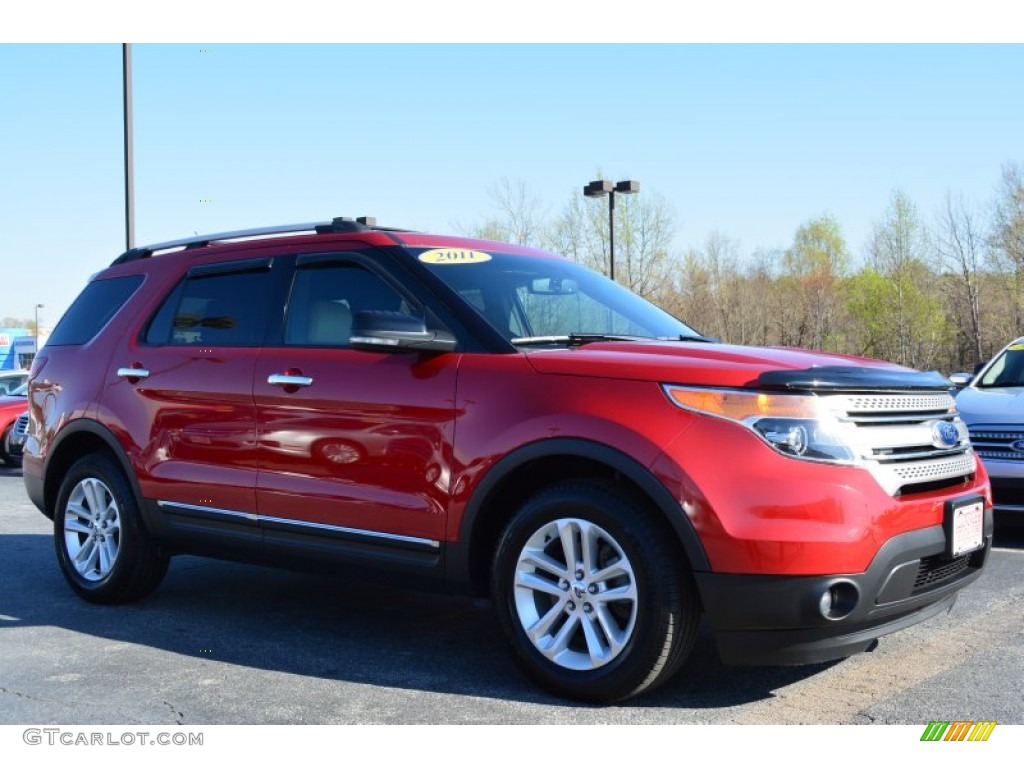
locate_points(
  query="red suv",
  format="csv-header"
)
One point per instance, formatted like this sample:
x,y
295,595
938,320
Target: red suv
x,y
490,419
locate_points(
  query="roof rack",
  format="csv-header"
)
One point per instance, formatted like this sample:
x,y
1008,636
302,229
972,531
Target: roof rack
x,y
338,224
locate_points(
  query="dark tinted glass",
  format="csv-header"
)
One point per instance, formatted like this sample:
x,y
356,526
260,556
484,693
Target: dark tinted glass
x,y
325,298
93,309
214,310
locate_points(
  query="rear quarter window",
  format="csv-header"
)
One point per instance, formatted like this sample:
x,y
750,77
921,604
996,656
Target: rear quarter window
x,y
93,309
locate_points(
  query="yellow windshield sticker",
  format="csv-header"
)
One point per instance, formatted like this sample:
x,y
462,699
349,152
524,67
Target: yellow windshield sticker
x,y
1015,347
454,256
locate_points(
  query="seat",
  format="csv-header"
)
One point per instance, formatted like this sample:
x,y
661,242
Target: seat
x,y
330,324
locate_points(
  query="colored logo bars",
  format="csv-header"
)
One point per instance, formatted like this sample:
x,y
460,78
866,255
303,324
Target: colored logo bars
x,y
958,730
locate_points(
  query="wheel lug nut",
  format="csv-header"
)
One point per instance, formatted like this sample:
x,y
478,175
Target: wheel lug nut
x,y
564,585
570,606
588,608
592,589
579,573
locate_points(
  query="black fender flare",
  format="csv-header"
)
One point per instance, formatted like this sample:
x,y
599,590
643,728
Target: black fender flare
x,y
459,552
96,429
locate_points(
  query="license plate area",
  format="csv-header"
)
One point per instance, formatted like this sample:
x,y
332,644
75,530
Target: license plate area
x,y
965,526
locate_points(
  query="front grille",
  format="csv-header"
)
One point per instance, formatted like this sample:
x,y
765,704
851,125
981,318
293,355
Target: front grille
x,y
894,435
934,570
994,443
938,403
927,471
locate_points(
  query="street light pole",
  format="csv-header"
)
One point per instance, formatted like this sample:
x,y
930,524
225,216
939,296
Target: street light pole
x,y
600,188
38,307
129,161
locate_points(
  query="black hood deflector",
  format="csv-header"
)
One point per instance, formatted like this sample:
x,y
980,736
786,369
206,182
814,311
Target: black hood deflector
x,y
851,378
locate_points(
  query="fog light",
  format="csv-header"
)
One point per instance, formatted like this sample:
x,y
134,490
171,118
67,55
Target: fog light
x,y
838,600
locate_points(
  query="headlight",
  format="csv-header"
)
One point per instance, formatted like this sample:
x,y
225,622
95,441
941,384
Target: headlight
x,y
795,425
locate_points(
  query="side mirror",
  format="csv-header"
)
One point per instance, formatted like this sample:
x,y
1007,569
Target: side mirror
x,y
382,331
961,380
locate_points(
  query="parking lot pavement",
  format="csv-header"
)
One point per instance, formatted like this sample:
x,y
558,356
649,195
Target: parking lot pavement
x,y
224,643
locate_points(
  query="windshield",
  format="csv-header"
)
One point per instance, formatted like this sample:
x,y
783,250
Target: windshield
x,y
1007,370
530,299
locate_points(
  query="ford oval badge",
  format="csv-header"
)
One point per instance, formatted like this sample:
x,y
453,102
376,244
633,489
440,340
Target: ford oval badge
x,y
1017,445
945,434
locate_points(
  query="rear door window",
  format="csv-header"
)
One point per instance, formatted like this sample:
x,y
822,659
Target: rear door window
x,y
216,305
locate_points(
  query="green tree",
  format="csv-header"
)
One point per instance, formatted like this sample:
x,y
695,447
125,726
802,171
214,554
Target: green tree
x,y
813,267
899,252
867,302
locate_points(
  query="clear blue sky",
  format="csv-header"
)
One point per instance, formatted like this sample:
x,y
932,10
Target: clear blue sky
x,y
750,140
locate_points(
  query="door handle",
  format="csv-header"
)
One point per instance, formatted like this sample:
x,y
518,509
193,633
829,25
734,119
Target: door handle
x,y
289,380
132,373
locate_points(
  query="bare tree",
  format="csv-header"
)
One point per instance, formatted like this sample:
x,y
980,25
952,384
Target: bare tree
x,y
643,231
580,232
1006,239
519,218
959,248
644,227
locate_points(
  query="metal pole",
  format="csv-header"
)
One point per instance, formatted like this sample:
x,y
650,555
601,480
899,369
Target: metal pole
x,y
38,307
611,234
129,164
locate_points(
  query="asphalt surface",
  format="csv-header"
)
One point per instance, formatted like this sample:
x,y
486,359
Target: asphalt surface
x,y
223,643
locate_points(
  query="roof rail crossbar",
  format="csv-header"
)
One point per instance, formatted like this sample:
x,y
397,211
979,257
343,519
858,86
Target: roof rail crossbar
x,y
339,224
346,224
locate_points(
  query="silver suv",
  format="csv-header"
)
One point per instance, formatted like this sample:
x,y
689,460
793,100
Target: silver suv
x,y
992,405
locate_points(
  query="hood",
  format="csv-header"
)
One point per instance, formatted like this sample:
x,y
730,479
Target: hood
x,y
725,365
991,405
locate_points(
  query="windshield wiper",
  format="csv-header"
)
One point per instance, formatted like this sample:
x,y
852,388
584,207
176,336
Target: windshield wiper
x,y
681,337
574,339
577,339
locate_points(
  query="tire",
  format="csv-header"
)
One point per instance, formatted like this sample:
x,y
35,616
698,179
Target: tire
x,y
5,446
103,550
621,620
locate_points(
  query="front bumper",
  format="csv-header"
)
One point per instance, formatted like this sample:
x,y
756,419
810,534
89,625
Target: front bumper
x,y
773,620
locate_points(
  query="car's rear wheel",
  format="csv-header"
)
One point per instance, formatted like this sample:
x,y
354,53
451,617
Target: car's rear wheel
x,y
596,602
102,547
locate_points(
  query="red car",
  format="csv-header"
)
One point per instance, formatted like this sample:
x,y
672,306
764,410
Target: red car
x,y
490,419
11,407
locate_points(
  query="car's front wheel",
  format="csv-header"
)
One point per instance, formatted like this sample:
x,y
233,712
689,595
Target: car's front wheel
x,y
8,458
594,598
102,547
